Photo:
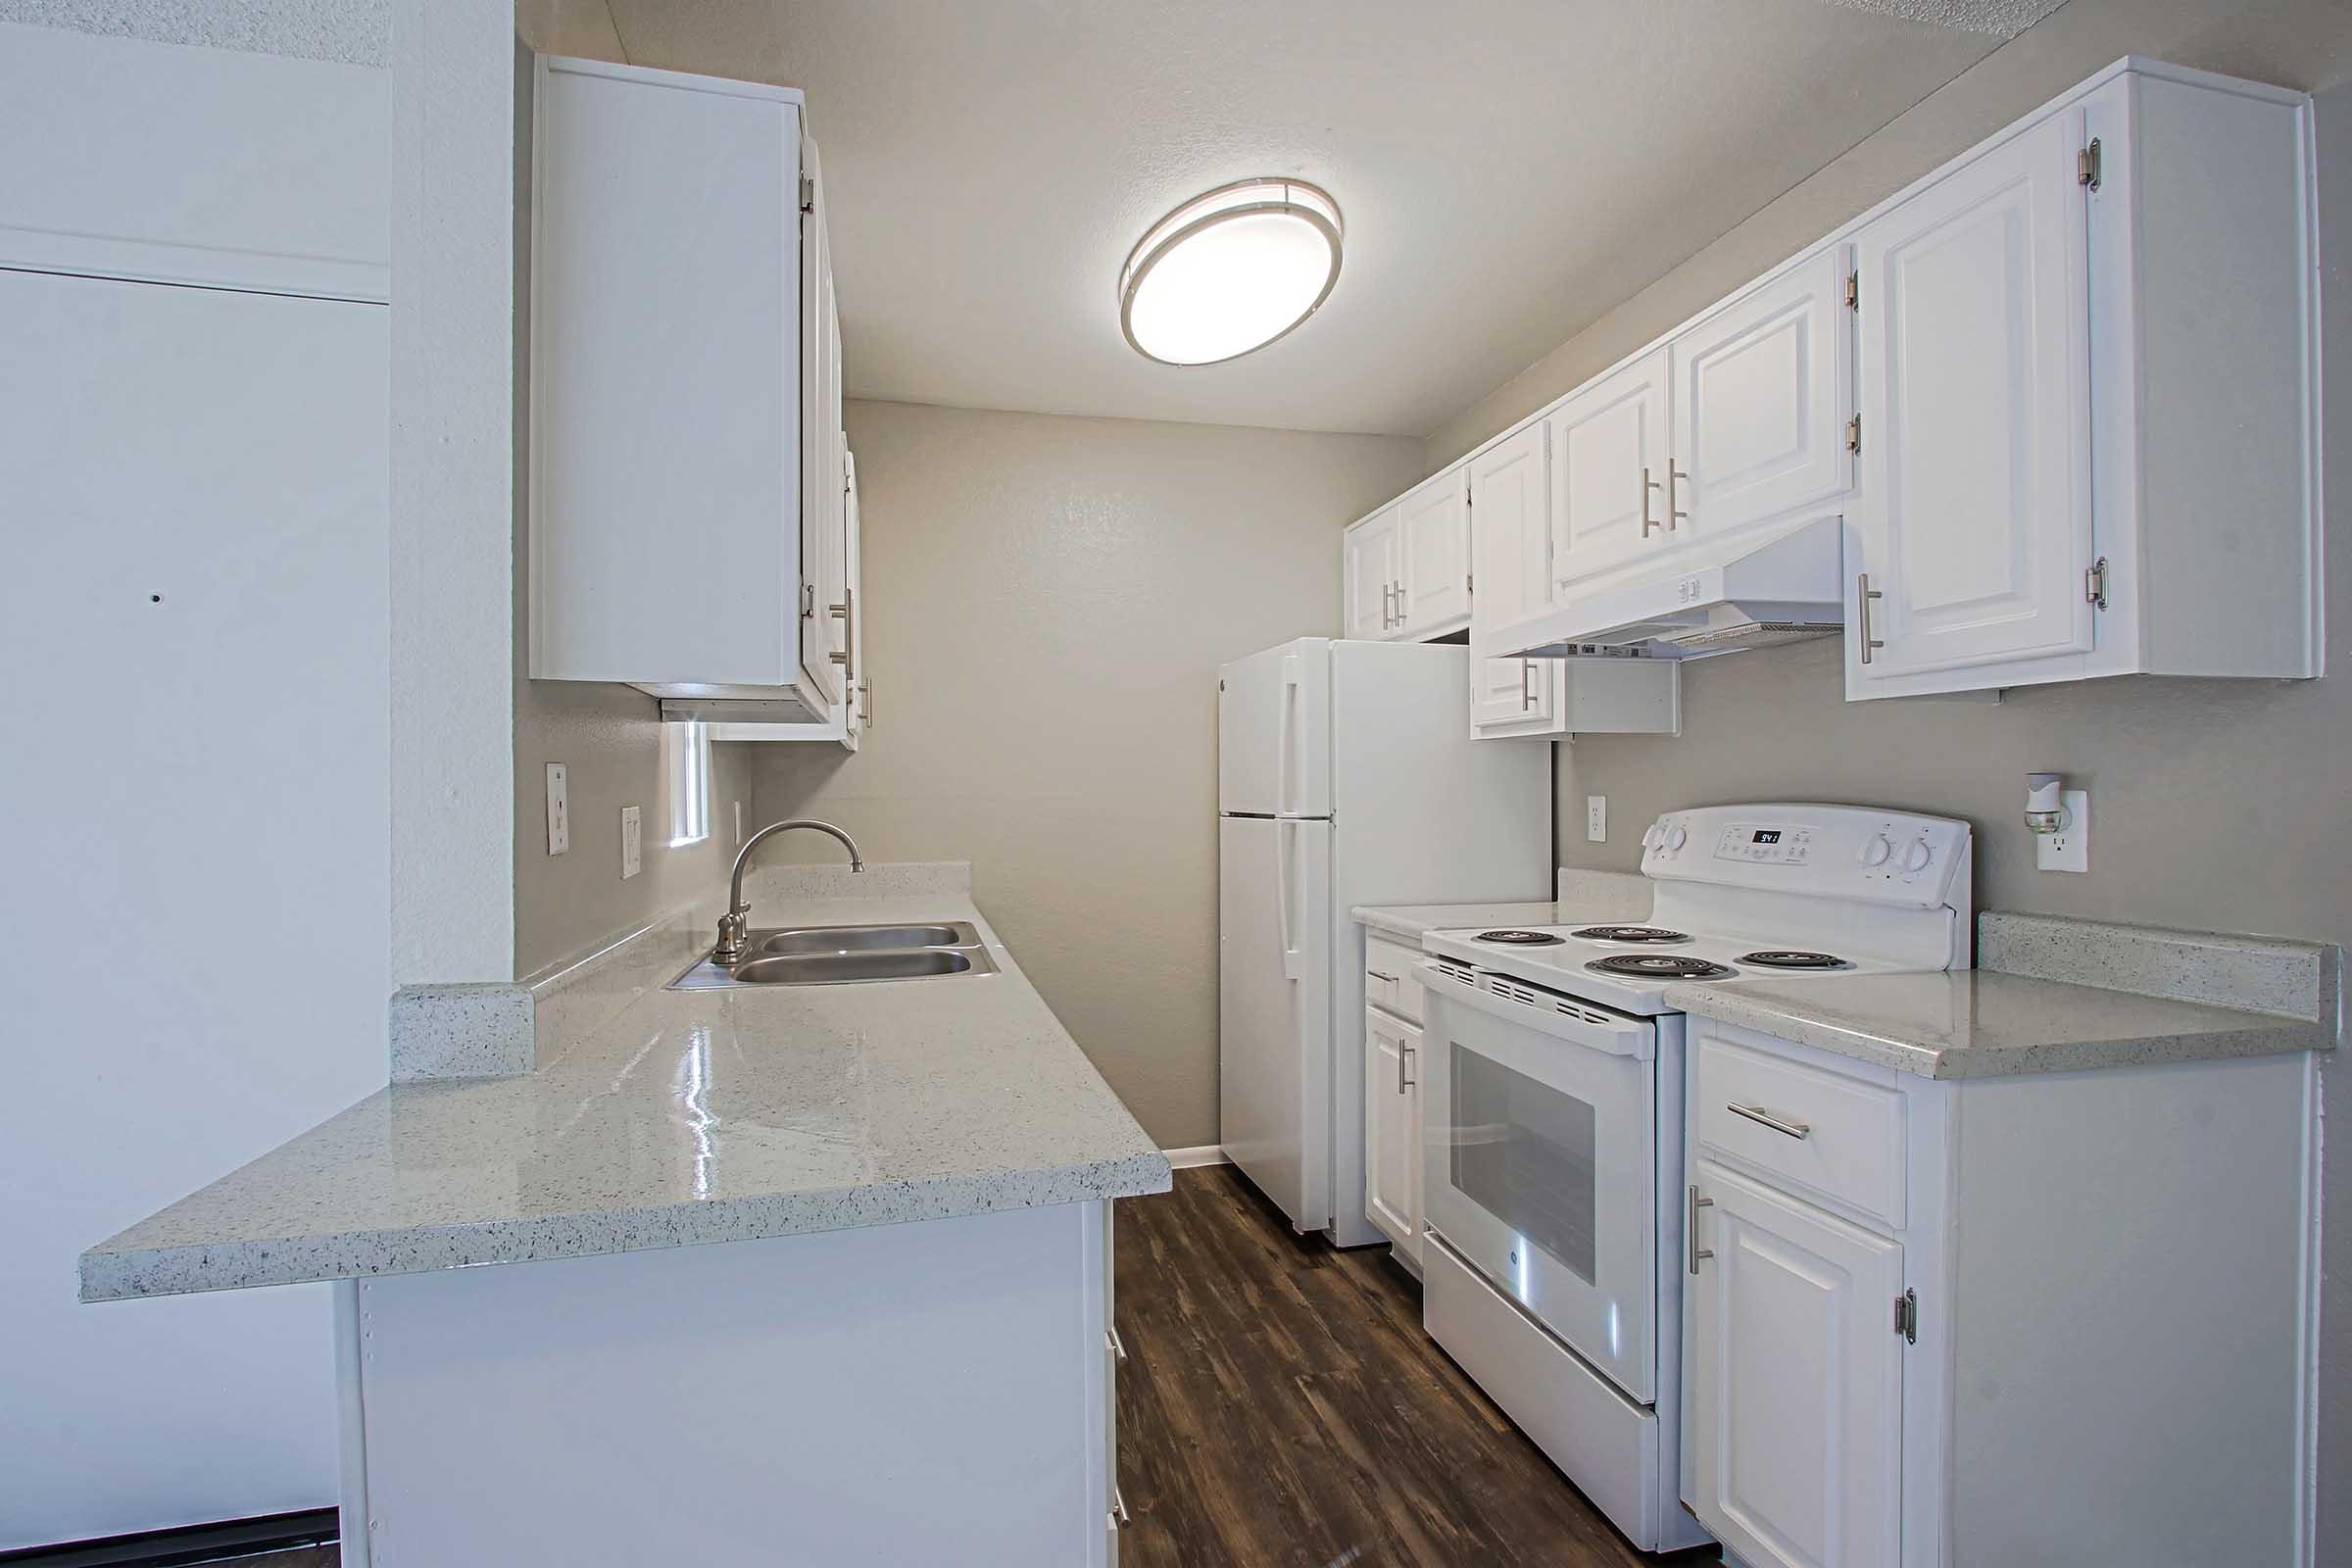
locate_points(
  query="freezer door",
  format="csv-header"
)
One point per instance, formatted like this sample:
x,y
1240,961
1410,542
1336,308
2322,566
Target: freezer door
x,y
1274,731
1274,1011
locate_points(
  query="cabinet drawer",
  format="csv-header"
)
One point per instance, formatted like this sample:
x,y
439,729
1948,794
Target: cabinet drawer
x,y
1837,1138
1389,982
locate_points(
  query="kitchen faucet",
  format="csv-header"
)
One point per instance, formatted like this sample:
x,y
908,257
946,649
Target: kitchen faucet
x,y
734,926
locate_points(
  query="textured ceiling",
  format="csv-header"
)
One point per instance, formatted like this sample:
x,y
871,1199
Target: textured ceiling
x,y
1508,171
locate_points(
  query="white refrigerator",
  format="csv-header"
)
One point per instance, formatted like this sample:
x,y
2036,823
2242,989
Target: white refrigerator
x,y
1346,774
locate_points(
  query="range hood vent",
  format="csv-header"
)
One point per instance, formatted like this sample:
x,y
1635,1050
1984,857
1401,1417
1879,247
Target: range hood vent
x,y
1787,587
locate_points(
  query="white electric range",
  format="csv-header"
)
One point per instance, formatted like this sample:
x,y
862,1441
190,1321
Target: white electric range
x,y
1552,1108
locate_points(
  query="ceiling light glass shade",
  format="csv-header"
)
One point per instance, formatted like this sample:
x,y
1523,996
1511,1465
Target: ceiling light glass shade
x,y
1230,272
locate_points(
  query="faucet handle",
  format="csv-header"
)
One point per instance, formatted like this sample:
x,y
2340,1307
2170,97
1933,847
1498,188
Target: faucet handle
x,y
733,937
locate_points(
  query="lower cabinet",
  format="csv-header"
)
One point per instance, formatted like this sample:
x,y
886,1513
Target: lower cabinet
x,y
1795,1383
2058,1318
1393,1130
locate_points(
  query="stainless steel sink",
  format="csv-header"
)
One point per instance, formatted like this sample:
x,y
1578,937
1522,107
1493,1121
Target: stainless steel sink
x,y
867,937
847,954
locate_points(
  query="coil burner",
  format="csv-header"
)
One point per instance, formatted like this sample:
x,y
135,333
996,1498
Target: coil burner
x,y
1660,966
1632,933
1521,939
1793,958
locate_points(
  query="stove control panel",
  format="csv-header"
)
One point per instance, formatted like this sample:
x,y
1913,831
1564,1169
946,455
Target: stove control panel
x,y
1842,852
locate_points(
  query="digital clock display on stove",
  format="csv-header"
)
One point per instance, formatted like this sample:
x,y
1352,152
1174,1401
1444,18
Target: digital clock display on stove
x,y
1767,835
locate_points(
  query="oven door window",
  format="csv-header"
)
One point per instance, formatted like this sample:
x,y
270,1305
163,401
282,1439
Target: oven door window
x,y
1525,1153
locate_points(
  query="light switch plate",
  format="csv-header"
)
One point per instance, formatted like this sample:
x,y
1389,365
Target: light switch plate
x,y
2068,849
1596,818
559,811
632,843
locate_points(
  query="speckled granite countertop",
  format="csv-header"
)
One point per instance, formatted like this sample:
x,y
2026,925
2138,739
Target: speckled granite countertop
x,y
684,1117
1975,1023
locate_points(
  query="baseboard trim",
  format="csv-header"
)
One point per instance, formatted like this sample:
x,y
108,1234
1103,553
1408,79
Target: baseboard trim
x,y
196,1544
1192,1159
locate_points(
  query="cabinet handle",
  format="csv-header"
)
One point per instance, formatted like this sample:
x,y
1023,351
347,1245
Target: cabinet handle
x,y
1672,474
1118,1347
1527,696
1377,975
1649,524
866,702
1403,1052
1119,1507
1765,1119
807,601
1690,1229
846,612
1863,595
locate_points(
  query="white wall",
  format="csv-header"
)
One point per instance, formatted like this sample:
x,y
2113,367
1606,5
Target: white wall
x,y
194,617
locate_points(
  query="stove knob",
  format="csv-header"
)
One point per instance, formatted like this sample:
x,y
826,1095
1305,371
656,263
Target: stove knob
x,y
1676,837
1649,836
1876,850
1917,856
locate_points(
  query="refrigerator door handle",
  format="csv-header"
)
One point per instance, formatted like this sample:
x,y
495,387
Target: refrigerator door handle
x,y
1286,843
1286,724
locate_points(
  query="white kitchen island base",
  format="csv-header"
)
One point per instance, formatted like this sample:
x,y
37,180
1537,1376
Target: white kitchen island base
x,y
926,1392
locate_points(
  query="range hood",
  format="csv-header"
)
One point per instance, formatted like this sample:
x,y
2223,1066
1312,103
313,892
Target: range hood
x,y
1756,593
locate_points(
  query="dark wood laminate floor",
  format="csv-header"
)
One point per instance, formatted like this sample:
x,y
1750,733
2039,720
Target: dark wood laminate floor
x,y
1281,1406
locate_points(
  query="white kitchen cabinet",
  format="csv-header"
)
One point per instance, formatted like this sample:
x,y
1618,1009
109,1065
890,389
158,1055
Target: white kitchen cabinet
x,y
1511,504
1609,466
1933,1323
1763,390
2079,456
846,722
1371,567
1433,534
1795,1383
1393,1130
685,393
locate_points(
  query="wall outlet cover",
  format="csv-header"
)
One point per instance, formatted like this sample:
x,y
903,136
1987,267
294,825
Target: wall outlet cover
x,y
632,843
2068,849
1596,818
559,811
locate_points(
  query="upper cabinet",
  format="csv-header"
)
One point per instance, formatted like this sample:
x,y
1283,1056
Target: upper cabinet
x,y
688,513
1433,530
1763,393
1406,567
1371,568
2051,412
2083,454
1610,468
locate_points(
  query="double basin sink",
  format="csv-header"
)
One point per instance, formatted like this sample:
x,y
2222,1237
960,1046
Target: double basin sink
x,y
847,954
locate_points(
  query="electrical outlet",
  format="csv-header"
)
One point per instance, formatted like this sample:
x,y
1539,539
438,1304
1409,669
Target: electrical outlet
x,y
632,843
2068,849
1596,818
559,811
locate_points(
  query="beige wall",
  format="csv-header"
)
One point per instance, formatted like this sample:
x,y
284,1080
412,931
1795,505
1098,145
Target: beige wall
x,y
2219,806
1050,599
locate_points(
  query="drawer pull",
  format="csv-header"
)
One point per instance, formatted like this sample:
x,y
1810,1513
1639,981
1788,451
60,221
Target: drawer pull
x,y
1119,1516
1691,1230
1377,975
1765,1119
1118,1347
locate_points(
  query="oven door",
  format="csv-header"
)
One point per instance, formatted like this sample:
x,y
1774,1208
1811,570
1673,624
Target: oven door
x,y
1540,1161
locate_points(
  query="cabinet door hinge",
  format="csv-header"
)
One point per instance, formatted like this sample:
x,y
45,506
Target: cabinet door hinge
x,y
2095,583
2086,166
1469,582
1906,1316
807,194
1853,434
1854,291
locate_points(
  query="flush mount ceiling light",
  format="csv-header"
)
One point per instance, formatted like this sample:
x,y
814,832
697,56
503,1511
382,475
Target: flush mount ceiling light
x,y
1230,272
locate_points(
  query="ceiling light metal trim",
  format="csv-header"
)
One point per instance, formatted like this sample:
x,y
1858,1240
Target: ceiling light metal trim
x,y
1319,211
